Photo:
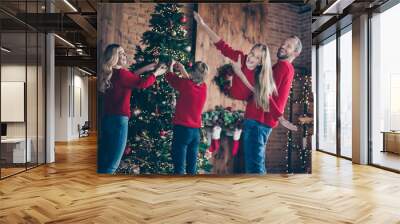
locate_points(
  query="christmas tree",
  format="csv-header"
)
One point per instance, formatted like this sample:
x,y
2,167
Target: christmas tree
x,y
150,128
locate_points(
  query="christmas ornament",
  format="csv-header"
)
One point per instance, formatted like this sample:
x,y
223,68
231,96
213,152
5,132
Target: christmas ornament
x,y
156,53
163,133
173,33
137,111
190,64
128,150
188,48
183,19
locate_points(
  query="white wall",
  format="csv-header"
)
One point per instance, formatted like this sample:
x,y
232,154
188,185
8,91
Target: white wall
x,y
71,93
33,127
14,73
314,91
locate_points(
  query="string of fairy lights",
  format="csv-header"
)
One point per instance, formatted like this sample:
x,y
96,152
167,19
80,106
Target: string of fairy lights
x,y
303,148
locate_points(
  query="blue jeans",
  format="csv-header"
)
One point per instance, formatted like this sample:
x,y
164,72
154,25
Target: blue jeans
x,y
185,147
114,132
255,138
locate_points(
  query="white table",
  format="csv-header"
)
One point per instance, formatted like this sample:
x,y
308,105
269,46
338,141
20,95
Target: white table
x,y
16,147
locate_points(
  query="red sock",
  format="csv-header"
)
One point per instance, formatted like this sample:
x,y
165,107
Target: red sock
x,y
214,145
216,135
236,137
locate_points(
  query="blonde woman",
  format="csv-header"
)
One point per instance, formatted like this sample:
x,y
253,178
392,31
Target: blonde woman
x,y
266,93
116,83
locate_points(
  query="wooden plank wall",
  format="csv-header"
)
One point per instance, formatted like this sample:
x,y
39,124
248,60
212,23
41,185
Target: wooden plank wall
x,y
241,26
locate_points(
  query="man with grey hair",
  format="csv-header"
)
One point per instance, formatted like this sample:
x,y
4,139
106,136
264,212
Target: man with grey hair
x,y
290,49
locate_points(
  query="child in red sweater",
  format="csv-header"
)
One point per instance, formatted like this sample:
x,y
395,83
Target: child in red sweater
x,y
187,119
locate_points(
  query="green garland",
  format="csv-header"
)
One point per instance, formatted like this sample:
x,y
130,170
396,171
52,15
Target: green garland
x,y
227,119
222,79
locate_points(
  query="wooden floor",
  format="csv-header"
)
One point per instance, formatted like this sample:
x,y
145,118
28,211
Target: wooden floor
x,y
386,159
70,191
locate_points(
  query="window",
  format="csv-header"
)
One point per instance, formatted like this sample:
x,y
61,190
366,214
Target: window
x,y
346,93
327,96
385,89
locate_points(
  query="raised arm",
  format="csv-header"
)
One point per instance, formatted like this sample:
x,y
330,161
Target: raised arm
x,y
174,81
277,103
214,37
182,70
133,80
223,47
146,68
237,69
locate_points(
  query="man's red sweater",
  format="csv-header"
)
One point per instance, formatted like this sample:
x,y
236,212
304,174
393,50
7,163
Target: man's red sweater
x,y
283,75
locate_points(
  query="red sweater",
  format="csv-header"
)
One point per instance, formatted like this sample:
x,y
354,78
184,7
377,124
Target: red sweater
x,y
283,75
117,98
190,102
240,92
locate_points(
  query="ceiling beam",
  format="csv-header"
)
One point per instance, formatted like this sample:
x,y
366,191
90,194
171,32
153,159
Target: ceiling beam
x,y
89,30
81,61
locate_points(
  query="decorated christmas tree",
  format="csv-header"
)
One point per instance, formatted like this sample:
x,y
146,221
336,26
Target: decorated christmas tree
x,y
150,129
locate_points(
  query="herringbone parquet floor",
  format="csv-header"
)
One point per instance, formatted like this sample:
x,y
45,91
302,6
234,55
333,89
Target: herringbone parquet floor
x,y
70,191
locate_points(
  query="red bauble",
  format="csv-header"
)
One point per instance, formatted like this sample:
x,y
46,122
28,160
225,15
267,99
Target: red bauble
x,y
190,64
128,150
163,133
183,19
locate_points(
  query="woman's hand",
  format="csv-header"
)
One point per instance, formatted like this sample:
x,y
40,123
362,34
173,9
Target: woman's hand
x,y
161,70
171,66
237,69
237,65
146,68
150,66
198,19
285,123
214,37
179,66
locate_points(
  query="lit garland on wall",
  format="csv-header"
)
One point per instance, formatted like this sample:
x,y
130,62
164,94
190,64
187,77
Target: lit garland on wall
x,y
305,119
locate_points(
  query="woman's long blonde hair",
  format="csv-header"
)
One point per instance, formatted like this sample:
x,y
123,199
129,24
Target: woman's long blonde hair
x,y
109,60
264,80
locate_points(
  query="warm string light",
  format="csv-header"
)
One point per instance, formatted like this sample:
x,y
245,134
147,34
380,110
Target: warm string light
x,y
302,150
147,155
